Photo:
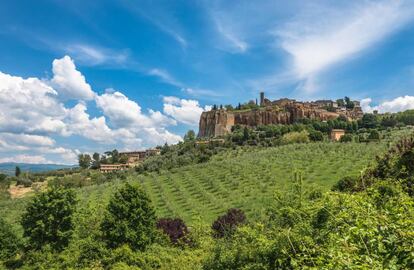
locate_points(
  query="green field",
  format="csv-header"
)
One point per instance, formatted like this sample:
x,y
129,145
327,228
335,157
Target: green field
x,y
245,178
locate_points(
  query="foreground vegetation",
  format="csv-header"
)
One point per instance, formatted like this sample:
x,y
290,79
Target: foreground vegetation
x,y
245,208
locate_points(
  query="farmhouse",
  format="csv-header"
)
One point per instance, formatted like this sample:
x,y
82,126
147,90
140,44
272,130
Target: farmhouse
x,y
113,167
336,134
133,159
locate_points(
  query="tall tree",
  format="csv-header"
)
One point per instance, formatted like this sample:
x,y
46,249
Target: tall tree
x,y
348,103
96,160
340,102
84,161
114,154
129,219
48,218
190,135
17,171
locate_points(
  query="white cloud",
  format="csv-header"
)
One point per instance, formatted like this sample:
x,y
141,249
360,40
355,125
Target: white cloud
x,y
123,112
33,115
165,76
159,137
27,139
69,82
29,105
80,123
92,55
395,105
322,36
33,159
234,41
183,110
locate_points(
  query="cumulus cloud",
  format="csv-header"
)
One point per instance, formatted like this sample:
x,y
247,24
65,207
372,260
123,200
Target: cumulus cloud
x,y
29,105
184,111
33,159
33,115
69,82
395,105
80,123
322,36
124,112
27,139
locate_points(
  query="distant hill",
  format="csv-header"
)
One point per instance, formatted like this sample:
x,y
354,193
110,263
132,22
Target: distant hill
x,y
9,167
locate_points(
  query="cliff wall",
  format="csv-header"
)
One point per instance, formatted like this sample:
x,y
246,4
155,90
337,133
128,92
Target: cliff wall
x,y
219,122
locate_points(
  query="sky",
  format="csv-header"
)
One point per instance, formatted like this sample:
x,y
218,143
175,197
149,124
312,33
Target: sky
x,y
91,76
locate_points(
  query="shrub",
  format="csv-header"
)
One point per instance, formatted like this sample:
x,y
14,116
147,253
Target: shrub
x,y
346,184
346,138
129,219
374,135
296,137
24,182
48,218
175,229
9,243
226,224
316,136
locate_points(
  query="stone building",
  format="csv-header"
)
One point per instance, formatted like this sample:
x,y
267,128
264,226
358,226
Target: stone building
x,y
336,134
105,168
134,158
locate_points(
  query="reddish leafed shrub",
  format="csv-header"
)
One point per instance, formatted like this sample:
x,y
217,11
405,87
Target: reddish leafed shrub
x,y
227,224
175,228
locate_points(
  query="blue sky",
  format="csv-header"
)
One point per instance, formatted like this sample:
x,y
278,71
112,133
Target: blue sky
x,y
85,76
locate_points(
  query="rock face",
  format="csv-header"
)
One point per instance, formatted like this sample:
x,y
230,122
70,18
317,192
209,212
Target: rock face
x,y
219,122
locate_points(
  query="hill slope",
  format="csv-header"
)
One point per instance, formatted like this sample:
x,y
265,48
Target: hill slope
x,y
246,178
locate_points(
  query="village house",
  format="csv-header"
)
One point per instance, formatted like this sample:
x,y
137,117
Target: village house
x,y
105,168
134,158
336,134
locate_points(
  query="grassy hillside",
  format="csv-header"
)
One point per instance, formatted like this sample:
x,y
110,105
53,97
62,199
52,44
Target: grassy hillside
x,y
245,178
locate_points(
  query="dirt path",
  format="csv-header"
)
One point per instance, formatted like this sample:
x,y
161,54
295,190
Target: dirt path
x,y
21,191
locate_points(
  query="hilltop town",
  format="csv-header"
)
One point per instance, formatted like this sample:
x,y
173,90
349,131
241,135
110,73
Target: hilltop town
x,y
219,121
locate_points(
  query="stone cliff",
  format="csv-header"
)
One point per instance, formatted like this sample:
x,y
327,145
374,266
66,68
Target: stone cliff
x,y
219,122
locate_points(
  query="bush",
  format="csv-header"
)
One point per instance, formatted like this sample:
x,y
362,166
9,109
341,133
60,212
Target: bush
x,y
175,229
9,243
225,225
374,135
48,218
24,182
129,219
346,138
296,137
316,136
346,184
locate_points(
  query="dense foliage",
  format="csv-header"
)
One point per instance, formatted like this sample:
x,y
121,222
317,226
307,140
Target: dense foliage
x,y
9,243
129,219
294,222
226,224
49,218
175,228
